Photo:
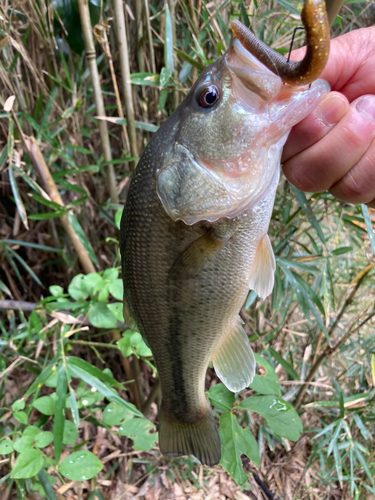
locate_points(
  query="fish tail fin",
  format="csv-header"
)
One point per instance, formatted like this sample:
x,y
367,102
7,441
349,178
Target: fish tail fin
x,y
199,438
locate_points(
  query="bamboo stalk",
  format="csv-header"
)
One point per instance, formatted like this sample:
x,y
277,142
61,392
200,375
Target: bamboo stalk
x,y
98,97
41,167
125,74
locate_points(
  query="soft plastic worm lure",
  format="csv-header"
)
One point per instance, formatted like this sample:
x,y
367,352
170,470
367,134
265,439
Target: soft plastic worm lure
x,y
315,22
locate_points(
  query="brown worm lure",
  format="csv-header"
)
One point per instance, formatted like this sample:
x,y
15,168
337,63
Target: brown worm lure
x,y
315,22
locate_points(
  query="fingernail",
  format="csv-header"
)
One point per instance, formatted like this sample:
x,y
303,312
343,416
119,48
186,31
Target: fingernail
x,y
332,108
366,106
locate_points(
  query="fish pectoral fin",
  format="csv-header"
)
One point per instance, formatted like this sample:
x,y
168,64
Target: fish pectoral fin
x,y
199,438
262,274
234,361
197,255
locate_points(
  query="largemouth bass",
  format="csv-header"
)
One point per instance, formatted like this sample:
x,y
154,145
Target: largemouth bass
x,y
194,235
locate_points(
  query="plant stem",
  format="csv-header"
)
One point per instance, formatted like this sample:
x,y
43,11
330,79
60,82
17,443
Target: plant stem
x,y
125,74
98,97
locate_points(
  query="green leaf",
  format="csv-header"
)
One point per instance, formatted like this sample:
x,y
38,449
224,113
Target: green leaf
x,y
115,414
304,204
165,75
116,288
21,416
236,441
56,290
268,383
28,464
279,415
138,429
118,216
110,394
168,40
94,371
116,309
45,404
289,7
101,316
370,230
81,235
42,377
6,447
43,439
43,478
221,397
80,466
74,408
31,431
70,433
17,198
18,405
76,288
132,342
59,421
287,366
25,442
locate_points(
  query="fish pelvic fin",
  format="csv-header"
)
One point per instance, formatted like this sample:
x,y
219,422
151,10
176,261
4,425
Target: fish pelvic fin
x,y
262,274
199,438
234,361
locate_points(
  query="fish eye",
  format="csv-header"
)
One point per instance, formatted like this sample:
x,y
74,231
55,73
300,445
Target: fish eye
x,y
208,96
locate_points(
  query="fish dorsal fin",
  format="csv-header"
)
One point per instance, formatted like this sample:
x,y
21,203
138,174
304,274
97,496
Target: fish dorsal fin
x,y
262,274
234,362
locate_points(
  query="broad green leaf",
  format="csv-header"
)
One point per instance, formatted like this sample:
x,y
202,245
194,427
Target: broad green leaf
x,y
132,342
110,394
80,466
70,433
28,464
145,79
43,439
116,309
279,415
267,383
221,397
138,429
76,288
24,443
18,405
101,316
236,441
56,290
21,416
6,447
115,414
59,421
42,377
45,404
31,431
116,288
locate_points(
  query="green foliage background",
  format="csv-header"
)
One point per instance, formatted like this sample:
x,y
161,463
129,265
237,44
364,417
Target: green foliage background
x,y
67,359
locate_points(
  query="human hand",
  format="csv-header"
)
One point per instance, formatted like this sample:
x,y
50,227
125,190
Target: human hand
x,y
334,147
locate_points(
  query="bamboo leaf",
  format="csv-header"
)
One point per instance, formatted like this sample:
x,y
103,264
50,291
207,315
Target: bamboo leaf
x,y
17,198
59,419
369,228
168,41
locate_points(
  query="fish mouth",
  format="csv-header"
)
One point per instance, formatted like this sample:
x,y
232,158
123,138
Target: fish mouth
x,y
251,73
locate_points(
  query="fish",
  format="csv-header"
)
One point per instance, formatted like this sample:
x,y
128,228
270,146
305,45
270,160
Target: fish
x,y
193,235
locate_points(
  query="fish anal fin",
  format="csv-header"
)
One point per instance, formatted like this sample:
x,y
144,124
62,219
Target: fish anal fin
x,y
262,274
199,438
234,361
197,255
